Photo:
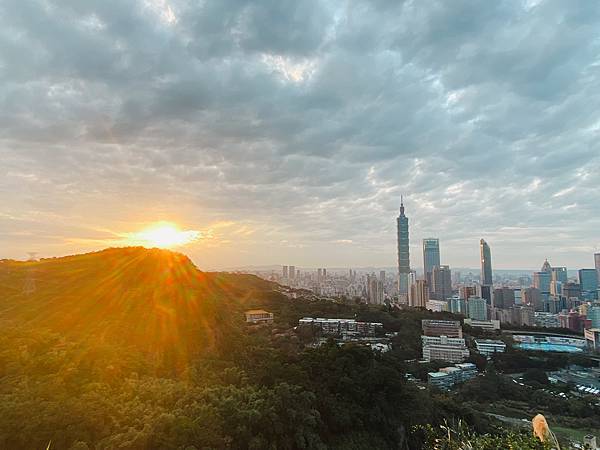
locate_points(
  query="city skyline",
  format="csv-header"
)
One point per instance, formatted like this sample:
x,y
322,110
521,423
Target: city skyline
x,y
296,144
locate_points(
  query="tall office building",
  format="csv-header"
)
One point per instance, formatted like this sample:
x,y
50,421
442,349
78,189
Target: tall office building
x,y
546,267
588,280
486,263
504,298
285,272
441,283
532,297
292,272
559,274
541,281
571,290
431,257
593,315
403,251
597,263
485,291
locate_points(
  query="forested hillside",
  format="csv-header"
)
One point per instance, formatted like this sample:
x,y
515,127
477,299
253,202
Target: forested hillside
x,y
137,349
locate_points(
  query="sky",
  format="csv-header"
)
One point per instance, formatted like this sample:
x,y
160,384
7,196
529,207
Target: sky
x,y
285,131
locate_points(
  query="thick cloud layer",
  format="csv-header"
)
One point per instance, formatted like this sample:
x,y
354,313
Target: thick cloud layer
x,y
286,131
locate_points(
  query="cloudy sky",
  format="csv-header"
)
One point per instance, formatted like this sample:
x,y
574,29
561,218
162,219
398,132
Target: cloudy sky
x,y
285,131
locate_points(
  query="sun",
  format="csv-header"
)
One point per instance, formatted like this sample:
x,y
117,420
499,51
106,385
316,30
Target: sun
x,y
164,235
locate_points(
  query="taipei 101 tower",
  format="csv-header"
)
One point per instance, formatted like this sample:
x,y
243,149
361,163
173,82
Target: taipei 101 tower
x,y
403,252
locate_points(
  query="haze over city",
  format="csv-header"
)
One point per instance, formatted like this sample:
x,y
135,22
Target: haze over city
x,y
285,132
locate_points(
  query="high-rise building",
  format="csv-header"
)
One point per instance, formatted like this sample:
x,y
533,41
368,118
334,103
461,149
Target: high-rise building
x,y
292,272
559,274
285,272
403,251
593,314
441,281
485,291
504,297
477,307
571,290
431,257
597,263
541,281
418,294
532,297
465,292
382,276
457,305
486,263
588,279
546,267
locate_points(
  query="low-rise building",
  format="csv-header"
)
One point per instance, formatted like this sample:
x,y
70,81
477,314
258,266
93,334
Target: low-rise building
x,y
450,328
489,325
259,316
447,377
467,371
444,348
341,326
488,347
440,380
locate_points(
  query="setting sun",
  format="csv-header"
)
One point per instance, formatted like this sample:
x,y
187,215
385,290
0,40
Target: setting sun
x,y
164,235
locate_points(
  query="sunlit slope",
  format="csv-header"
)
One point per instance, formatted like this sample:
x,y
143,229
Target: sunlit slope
x,y
154,301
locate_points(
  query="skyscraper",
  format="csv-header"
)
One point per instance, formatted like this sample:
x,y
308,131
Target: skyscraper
x,y
403,251
486,263
597,263
588,279
503,298
441,282
541,280
431,257
559,274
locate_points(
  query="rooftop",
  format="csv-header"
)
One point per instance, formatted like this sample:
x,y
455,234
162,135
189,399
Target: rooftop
x,y
438,374
489,341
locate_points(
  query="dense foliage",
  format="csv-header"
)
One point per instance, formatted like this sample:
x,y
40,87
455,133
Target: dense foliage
x,y
136,349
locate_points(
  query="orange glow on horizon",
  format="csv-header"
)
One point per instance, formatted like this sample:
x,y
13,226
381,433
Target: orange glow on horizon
x,y
163,235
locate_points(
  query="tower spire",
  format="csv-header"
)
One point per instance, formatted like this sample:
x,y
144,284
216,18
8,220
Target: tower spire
x,y
401,205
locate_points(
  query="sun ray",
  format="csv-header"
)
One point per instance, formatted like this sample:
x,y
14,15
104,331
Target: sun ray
x,y
163,235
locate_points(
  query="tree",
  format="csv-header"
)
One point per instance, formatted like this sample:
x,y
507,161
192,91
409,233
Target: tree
x,y
536,376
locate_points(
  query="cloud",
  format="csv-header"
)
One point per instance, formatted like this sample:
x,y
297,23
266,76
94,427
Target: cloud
x,y
303,122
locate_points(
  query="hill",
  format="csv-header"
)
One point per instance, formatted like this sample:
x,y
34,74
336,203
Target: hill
x,y
137,349
149,301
